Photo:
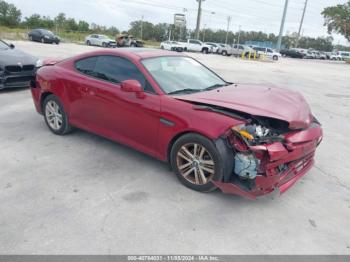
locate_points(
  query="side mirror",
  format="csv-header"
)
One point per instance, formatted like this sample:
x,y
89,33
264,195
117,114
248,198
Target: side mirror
x,y
132,86
12,46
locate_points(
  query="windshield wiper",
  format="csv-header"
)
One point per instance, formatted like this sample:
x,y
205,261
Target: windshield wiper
x,y
215,86
186,90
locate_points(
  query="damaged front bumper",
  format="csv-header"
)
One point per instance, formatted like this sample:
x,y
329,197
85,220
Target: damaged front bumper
x,y
284,164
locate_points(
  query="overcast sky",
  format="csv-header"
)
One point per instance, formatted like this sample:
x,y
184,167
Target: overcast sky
x,y
258,15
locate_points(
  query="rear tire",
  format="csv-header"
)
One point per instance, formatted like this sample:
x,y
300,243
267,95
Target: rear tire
x,y
275,58
88,42
104,44
196,172
55,117
205,51
224,53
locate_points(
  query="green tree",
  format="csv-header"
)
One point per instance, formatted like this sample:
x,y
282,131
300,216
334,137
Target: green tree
x,y
35,21
83,26
147,30
60,20
337,19
70,25
9,14
113,31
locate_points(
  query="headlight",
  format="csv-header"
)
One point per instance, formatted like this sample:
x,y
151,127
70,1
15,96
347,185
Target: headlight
x,y
39,63
255,134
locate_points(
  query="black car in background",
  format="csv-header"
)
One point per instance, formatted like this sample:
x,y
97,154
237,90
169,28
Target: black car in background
x,y
17,68
43,36
292,53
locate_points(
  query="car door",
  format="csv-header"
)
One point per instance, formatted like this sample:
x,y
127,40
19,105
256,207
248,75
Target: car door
x,y
107,110
195,46
93,40
36,35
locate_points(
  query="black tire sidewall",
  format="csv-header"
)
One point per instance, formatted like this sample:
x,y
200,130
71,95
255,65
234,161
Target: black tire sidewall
x,y
65,128
210,147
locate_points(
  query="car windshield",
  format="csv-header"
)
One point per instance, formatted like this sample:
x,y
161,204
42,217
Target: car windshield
x,y
181,75
3,46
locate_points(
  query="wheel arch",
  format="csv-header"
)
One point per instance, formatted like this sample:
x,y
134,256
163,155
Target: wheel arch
x,y
225,152
43,97
177,136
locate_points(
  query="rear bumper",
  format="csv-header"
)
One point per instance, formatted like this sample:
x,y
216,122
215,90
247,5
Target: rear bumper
x,y
296,157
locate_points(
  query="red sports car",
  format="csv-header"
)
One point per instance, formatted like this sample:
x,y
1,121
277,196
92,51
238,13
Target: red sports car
x,y
244,140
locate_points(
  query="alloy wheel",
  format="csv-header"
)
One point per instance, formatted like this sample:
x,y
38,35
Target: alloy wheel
x,y
195,164
53,115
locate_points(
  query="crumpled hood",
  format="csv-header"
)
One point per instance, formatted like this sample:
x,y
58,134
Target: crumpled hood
x,y
270,102
14,56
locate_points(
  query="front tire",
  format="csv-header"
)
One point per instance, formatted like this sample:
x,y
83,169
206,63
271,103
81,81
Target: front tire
x,y
55,117
43,40
196,162
205,51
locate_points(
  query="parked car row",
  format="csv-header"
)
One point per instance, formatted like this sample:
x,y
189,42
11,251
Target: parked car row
x,y
314,54
193,45
123,40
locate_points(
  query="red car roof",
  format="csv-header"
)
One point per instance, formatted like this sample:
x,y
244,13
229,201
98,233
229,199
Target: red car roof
x,y
135,53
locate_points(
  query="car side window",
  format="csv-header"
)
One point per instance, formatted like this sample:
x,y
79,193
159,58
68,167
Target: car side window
x,y
87,65
117,69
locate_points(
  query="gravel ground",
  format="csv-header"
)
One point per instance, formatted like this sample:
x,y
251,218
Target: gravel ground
x,y
82,194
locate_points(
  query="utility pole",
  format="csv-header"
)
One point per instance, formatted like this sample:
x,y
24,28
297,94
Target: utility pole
x,y
141,26
239,35
279,42
204,29
228,27
301,23
199,17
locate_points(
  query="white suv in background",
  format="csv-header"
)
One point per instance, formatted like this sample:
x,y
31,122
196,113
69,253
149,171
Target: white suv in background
x,y
270,53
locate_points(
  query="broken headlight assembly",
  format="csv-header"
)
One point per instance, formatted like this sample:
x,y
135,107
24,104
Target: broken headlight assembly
x,y
241,137
255,134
